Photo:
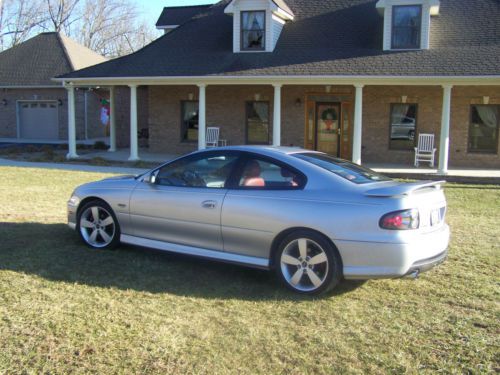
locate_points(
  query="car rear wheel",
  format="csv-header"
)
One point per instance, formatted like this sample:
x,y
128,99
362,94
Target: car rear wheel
x,y
308,263
97,225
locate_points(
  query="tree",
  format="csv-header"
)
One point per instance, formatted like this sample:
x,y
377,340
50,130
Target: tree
x,y
109,27
61,14
18,20
113,27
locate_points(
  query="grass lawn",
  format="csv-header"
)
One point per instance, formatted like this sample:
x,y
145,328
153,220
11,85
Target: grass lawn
x,y
67,309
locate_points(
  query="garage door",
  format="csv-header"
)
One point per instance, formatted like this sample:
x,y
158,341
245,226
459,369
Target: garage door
x,y
38,120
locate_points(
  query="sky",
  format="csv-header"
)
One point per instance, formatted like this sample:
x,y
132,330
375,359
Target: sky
x,y
153,8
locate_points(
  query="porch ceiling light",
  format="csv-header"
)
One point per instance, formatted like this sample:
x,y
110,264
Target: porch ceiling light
x,y
486,100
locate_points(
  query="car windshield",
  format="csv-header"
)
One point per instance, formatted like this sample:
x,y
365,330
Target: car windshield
x,y
350,171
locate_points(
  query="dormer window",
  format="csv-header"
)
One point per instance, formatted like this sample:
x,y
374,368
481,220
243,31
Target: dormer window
x,y
406,26
253,31
257,24
407,23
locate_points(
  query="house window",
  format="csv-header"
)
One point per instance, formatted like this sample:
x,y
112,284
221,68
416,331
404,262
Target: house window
x,y
253,31
406,26
189,121
403,126
257,114
483,129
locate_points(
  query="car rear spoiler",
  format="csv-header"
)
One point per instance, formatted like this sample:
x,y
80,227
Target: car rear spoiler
x,y
403,188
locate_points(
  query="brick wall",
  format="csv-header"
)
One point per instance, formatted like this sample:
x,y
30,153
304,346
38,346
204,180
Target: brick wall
x,y
226,109
376,111
122,113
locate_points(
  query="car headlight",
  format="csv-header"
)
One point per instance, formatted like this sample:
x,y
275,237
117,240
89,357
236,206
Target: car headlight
x,y
74,201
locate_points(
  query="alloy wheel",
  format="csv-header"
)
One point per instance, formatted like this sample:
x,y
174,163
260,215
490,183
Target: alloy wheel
x,y
304,264
97,226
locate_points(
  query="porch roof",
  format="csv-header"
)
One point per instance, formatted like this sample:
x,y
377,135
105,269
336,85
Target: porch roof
x,y
327,38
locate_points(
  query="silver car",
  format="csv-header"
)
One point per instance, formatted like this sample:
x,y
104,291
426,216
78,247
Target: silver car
x,y
312,218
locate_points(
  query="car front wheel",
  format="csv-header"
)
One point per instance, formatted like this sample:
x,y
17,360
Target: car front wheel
x,y
97,225
308,263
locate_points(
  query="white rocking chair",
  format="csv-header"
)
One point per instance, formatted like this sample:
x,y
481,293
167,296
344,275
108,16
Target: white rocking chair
x,y
425,150
212,138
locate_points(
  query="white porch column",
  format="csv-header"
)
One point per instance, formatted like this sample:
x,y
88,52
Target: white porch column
x,y
277,116
71,124
358,125
112,120
444,143
134,144
202,116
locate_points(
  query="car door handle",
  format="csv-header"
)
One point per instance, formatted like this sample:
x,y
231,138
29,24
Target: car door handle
x,y
209,204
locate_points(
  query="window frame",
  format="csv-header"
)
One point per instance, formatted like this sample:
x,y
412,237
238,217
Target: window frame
x,y
268,122
419,41
237,172
390,127
485,152
182,121
263,48
196,157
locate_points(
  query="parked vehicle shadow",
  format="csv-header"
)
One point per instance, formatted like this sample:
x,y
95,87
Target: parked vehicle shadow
x,y
55,252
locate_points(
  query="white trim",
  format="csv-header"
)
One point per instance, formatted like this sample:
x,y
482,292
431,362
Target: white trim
x,y
196,251
167,27
134,145
492,80
444,139
72,154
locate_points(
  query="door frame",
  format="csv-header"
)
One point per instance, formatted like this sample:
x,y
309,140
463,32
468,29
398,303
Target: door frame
x,y
346,124
339,130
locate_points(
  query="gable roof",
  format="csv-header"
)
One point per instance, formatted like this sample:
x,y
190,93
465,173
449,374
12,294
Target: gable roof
x,y
327,38
39,59
176,16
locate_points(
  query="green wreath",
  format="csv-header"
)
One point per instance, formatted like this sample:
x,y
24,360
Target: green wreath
x,y
329,114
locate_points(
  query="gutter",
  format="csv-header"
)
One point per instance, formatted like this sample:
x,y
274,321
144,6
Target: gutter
x,y
287,80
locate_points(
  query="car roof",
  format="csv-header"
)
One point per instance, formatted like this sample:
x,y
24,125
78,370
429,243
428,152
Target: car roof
x,y
264,149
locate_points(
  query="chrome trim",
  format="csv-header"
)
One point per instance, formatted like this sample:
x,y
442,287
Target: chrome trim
x,y
196,251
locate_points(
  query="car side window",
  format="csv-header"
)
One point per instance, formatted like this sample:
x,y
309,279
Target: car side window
x,y
207,172
259,173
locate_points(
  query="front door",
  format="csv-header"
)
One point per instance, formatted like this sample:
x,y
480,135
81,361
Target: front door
x,y
327,128
328,124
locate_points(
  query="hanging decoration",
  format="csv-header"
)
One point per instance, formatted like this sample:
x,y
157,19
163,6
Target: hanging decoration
x,y
329,116
105,112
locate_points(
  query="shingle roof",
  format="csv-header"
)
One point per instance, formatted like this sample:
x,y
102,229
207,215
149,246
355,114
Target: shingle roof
x,y
327,37
39,59
171,16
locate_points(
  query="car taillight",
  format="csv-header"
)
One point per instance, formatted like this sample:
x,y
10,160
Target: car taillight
x,y
400,220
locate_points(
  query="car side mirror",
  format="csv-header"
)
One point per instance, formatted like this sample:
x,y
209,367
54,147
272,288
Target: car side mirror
x,y
150,178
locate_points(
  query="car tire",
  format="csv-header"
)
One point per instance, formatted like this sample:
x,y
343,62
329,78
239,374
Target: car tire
x,y
102,232
308,263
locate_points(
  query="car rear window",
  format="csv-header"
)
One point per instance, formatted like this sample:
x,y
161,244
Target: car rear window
x,y
350,171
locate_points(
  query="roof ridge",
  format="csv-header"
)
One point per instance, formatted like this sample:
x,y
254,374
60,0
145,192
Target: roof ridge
x,y
190,6
66,53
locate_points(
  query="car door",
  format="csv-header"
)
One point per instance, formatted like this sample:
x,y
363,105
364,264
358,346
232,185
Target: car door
x,y
263,200
181,201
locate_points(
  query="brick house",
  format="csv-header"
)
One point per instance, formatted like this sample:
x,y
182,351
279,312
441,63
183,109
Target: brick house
x,y
355,78
33,108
